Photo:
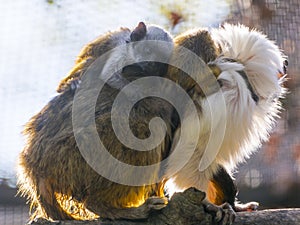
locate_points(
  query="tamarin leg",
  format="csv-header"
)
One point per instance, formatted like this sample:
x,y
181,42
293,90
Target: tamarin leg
x,y
48,202
222,189
221,192
141,212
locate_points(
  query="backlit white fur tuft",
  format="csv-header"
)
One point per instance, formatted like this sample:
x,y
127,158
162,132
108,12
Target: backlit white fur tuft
x,y
261,57
249,123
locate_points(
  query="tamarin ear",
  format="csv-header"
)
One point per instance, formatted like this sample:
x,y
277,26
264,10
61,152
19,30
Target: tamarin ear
x,y
139,32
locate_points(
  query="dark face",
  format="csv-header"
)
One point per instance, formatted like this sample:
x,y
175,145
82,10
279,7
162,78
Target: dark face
x,y
152,51
141,69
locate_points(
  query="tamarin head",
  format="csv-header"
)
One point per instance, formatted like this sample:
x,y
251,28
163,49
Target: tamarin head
x,y
199,43
261,58
149,41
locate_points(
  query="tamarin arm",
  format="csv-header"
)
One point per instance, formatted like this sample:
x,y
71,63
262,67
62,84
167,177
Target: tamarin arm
x,y
221,188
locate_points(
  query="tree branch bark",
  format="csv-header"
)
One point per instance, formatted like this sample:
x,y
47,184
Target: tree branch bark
x,y
187,208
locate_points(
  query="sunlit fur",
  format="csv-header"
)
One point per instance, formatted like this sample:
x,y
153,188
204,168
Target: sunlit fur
x,y
247,123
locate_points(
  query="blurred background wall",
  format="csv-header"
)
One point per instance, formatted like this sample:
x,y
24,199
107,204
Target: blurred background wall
x,y
272,175
39,40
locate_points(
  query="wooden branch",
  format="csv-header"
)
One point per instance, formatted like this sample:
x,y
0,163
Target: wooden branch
x,y
269,217
187,208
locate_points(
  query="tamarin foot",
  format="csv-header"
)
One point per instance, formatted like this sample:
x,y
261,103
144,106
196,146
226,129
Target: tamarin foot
x,y
249,206
143,211
156,203
223,214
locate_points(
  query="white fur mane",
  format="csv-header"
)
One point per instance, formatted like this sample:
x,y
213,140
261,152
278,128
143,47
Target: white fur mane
x,y
261,57
249,123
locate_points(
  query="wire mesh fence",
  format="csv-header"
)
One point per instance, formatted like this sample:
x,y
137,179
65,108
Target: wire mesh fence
x,y
13,208
13,214
275,169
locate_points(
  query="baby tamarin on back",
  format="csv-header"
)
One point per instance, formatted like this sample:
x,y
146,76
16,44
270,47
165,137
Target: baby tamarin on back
x,y
52,173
